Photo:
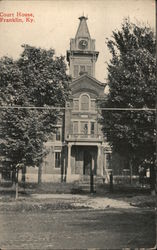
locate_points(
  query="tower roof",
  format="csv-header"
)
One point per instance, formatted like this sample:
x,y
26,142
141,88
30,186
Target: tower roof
x,y
82,31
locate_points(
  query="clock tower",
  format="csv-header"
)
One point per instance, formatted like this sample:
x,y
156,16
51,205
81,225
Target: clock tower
x,y
82,55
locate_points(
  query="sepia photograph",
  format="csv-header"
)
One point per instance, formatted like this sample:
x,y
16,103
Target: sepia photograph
x,y
78,121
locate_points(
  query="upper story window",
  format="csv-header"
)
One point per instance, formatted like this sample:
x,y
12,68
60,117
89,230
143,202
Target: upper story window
x,y
81,69
92,128
58,134
84,102
84,127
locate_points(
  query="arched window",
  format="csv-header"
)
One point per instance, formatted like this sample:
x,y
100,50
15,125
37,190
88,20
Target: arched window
x,y
84,102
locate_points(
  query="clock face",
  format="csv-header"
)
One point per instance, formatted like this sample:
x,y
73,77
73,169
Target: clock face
x,y
83,44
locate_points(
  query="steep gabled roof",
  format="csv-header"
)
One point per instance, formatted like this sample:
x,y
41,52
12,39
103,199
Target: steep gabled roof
x,y
90,77
86,83
82,31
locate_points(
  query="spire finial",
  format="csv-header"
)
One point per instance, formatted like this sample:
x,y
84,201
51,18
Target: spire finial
x,y
83,28
83,17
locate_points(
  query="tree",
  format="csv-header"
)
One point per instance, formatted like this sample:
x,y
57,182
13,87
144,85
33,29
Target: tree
x,y
132,84
36,79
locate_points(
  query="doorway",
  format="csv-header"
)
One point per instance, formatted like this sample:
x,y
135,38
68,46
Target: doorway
x,y
87,163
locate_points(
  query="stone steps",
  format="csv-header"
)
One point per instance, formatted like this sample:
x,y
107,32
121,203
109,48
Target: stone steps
x,y
84,183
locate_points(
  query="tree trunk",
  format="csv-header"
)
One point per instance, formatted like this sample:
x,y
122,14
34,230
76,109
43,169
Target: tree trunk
x,y
16,185
62,165
130,165
24,174
156,129
111,182
39,174
13,176
16,196
24,177
156,115
92,176
91,182
152,179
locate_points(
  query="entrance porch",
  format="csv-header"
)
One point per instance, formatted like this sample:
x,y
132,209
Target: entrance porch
x,y
83,159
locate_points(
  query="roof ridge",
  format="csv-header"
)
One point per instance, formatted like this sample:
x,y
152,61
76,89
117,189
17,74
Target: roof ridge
x,y
90,77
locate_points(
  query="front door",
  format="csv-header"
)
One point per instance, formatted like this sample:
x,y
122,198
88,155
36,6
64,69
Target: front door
x,y
87,163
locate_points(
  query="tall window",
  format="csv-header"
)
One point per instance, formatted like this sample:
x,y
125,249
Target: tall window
x,y
108,160
84,128
84,102
76,70
57,159
58,134
92,128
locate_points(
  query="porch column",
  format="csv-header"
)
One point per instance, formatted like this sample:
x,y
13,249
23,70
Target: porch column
x,y
107,177
99,161
69,164
92,164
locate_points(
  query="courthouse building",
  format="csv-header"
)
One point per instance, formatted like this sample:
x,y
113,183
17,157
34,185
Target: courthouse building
x,y
78,147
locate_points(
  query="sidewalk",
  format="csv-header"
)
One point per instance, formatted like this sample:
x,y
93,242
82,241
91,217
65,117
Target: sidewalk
x,y
84,200
58,196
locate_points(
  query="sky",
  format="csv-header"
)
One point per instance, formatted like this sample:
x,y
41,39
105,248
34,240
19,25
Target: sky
x,y
55,22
